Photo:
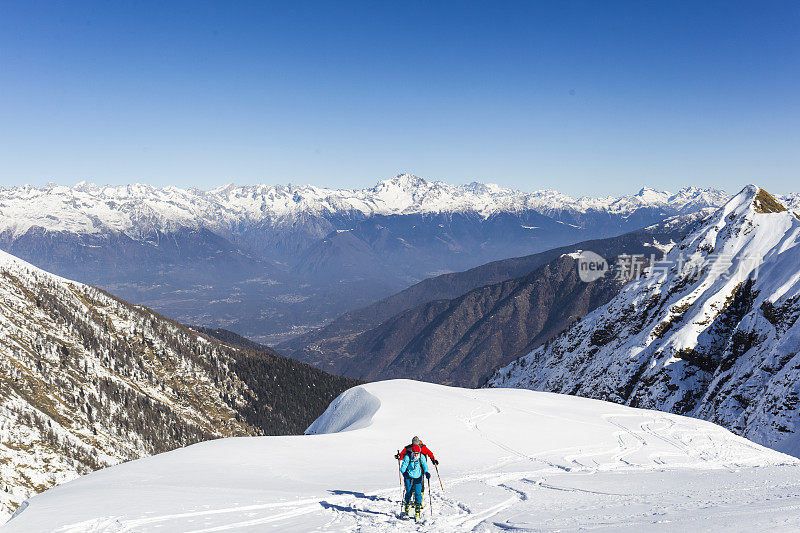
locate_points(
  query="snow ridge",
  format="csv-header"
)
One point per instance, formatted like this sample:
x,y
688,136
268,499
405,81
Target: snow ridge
x,y
67,384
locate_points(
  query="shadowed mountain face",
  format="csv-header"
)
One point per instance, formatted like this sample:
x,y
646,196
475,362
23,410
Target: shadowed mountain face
x,y
461,341
314,347
457,328
233,339
398,245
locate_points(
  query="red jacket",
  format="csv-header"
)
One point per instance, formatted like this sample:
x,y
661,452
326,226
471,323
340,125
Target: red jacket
x,y
425,451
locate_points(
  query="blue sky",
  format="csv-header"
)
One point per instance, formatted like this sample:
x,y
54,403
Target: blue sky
x,y
586,97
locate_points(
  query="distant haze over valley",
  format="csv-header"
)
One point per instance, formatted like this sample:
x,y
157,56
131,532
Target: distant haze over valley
x,y
271,262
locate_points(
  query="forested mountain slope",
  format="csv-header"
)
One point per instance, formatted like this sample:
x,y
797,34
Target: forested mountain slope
x,y
88,380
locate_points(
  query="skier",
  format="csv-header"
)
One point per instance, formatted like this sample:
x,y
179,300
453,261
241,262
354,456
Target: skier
x,y
415,441
413,467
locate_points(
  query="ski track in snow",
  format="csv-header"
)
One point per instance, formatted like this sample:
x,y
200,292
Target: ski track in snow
x,y
379,510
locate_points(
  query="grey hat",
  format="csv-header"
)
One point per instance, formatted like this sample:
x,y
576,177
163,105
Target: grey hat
x,y
415,440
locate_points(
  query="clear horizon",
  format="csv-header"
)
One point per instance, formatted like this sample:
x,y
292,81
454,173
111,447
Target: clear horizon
x,y
589,99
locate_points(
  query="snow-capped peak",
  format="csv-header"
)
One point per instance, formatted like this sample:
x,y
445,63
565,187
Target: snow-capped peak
x,y
648,195
404,181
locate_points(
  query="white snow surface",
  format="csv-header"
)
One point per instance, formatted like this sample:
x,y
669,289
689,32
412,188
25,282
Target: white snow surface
x,y
140,210
510,460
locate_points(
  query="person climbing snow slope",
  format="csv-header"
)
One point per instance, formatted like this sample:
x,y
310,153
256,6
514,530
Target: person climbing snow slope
x,y
413,467
415,441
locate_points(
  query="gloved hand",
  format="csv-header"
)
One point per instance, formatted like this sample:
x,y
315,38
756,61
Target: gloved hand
x,y
435,462
397,456
428,476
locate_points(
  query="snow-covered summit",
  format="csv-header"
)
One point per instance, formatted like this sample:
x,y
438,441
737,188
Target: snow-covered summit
x,y
711,332
508,459
141,209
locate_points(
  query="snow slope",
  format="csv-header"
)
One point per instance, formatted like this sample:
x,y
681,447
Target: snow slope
x,y
712,332
510,460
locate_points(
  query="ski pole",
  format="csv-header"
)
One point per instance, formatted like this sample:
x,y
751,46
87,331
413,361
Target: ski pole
x,y
437,475
402,485
430,496
400,474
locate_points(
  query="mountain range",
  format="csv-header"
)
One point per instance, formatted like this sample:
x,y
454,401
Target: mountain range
x,y
710,332
142,210
272,262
